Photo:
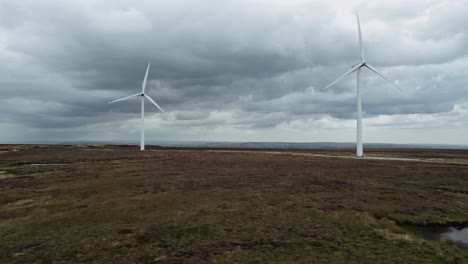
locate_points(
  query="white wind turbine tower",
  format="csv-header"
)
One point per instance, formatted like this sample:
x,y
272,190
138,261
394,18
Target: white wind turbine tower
x,y
143,96
357,69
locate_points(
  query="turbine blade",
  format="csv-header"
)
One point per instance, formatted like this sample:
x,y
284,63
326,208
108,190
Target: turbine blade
x,y
360,37
125,98
143,86
342,76
374,70
152,101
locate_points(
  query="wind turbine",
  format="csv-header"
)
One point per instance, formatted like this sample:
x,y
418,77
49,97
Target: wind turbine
x,y
357,69
143,96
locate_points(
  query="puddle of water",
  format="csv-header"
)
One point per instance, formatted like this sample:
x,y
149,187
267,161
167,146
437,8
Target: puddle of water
x,y
458,235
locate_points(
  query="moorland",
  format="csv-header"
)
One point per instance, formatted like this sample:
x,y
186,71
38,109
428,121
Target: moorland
x,y
115,204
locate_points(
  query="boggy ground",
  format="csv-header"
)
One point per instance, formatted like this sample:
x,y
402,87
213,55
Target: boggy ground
x,y
115,204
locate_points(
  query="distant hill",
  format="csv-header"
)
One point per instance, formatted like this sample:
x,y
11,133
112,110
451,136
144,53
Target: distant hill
x,y
322,145
261,145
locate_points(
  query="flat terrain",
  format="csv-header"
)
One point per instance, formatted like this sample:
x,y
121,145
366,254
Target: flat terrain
x,y
115,204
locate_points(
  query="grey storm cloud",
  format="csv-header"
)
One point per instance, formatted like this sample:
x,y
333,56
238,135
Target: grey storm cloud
x,y
249,65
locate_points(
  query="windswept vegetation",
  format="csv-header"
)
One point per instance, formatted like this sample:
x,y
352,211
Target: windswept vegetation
x,y
115,204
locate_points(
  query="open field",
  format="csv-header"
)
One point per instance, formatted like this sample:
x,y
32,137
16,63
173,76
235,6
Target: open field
x,y
115,204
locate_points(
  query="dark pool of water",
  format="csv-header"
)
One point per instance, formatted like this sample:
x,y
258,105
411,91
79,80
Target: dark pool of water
x,y
458,235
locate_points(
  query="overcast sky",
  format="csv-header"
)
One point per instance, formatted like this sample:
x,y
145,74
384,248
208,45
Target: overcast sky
x,y
233,70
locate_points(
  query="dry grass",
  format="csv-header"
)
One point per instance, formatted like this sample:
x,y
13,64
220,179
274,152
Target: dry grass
x,y
5,175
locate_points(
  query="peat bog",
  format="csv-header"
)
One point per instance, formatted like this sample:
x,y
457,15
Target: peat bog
x,y
115,204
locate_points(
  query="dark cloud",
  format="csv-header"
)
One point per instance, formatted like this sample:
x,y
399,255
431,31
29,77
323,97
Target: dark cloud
x,y
238,65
